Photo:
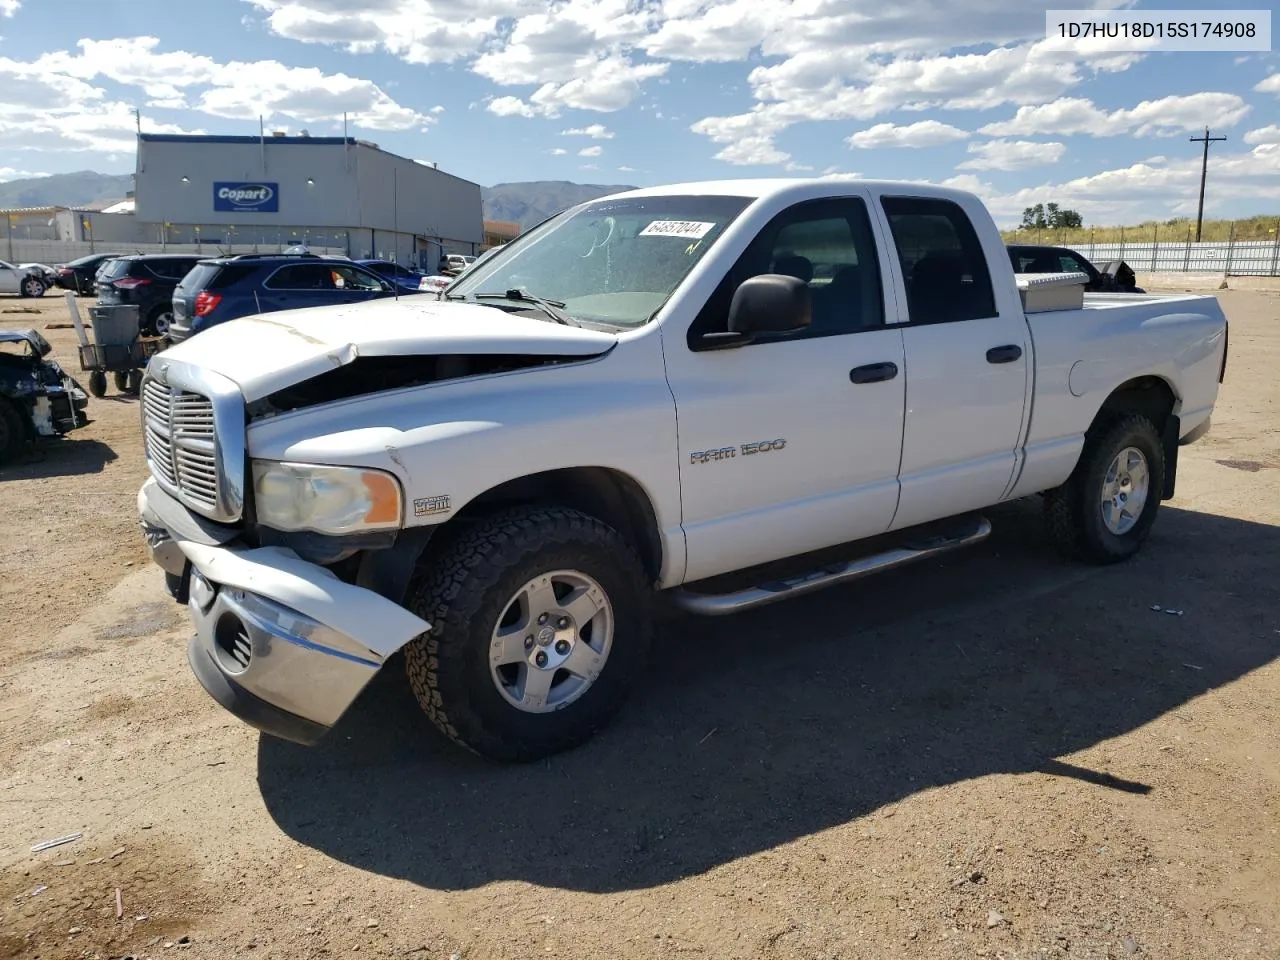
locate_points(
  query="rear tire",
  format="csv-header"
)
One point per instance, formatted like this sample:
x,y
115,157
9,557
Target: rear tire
x,y
157,324
98,383
491,582
121,378
1105,510
13,432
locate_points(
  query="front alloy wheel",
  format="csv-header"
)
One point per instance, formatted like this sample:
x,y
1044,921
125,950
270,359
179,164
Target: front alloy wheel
x,y
540,624
552,641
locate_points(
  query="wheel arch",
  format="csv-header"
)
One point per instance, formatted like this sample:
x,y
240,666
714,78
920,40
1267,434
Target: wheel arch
x,y
611,496
1153,397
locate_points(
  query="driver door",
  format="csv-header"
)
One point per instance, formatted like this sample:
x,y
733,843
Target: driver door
x,y
791,443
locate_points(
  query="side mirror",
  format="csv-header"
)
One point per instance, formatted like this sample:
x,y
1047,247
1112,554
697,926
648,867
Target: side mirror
x,y
769,303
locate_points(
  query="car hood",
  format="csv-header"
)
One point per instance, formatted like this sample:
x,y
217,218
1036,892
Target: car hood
x,y
38,343
264,353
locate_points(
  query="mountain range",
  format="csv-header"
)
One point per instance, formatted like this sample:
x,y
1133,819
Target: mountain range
x,y
524,203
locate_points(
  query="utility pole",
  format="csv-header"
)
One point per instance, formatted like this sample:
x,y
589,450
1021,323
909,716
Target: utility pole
x,y
1204,169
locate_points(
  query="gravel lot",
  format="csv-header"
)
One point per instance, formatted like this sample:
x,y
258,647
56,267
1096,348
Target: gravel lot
x,y
995,755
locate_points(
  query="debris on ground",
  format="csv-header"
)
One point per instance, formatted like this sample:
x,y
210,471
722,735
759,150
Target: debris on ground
x,y
57,842
994,918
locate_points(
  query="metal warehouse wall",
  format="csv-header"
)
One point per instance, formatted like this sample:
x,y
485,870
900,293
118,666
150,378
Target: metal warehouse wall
x,y
352,186
427,201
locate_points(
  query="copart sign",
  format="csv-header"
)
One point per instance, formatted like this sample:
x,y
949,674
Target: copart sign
x,y
246,197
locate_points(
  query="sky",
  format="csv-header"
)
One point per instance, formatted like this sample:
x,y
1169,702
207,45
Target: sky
x,y
968,93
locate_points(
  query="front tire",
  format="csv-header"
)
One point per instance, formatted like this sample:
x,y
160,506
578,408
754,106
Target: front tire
x,y
33,287
540,625
1105,510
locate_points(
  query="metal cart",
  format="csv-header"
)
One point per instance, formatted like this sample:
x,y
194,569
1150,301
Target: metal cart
x,y
118,348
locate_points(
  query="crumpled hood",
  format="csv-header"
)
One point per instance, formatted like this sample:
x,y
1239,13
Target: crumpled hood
x,y
267,352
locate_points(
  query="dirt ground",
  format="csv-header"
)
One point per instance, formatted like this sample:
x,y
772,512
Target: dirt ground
x,y
995,755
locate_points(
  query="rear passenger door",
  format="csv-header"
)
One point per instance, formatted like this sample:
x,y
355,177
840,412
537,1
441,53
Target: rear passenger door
x,y
298,285
967,365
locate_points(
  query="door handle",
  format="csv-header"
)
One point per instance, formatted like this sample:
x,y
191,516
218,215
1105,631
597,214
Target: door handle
x,y
1006,354
873,373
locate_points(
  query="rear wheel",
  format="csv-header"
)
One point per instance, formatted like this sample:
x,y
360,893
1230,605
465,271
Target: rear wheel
x,y
1105,510
540,624
98,383
13,431
158,322
121,379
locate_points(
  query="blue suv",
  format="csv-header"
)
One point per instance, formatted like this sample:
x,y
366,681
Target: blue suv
x,y
224,288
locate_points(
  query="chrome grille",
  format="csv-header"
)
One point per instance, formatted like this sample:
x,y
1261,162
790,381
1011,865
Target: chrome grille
x,y
179,436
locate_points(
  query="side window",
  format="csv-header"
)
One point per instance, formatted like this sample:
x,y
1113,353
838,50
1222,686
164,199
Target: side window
x,y
1074,264
826,243
942,260
301,276
353,278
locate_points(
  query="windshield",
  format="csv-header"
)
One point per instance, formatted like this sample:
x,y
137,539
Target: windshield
x,y
613,262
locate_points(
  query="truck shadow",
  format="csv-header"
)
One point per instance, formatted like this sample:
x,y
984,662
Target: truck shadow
x,y
757,730
59,457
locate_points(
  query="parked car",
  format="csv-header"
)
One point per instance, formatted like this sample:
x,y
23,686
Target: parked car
x,y
80,275
224,288
406,278
1116,277
453,264
37,398
146,281
24,281
701,390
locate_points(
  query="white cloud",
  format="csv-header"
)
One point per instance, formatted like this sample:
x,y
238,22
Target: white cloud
x,y
1267,134
9,173
595,131
558,152
511,107
925,133
1161,118
9,7
437,109
590,151
1143,190
417,31
828,81
626,169
1012,155
1269,85
180,79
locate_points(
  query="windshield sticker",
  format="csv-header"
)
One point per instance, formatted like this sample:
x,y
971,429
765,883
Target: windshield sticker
x,y
686,229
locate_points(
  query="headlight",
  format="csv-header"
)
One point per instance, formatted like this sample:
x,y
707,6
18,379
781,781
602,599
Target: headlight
x,y
332,500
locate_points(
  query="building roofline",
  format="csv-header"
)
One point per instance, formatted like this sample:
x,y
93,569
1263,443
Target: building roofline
x,y
217,138
291,140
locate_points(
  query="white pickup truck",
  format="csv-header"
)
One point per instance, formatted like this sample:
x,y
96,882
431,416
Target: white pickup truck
x,y
680,392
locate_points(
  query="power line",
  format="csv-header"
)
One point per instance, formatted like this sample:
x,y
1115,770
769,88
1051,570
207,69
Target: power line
x,y
1204,169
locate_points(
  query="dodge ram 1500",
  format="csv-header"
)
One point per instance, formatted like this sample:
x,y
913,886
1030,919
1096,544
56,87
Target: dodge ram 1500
x,y
680,391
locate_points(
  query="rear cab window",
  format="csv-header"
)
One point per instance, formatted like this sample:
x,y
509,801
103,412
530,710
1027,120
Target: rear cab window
x,y
943,264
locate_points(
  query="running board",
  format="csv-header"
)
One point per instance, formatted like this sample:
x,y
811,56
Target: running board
x,y
911,551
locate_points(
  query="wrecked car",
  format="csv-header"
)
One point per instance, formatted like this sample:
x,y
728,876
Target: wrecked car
x,y
37,398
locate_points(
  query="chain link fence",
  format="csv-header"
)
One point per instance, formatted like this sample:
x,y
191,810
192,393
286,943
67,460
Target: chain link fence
x,y
1160,250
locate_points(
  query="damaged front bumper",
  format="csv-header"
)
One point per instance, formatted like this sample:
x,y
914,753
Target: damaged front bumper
x,y
281,643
